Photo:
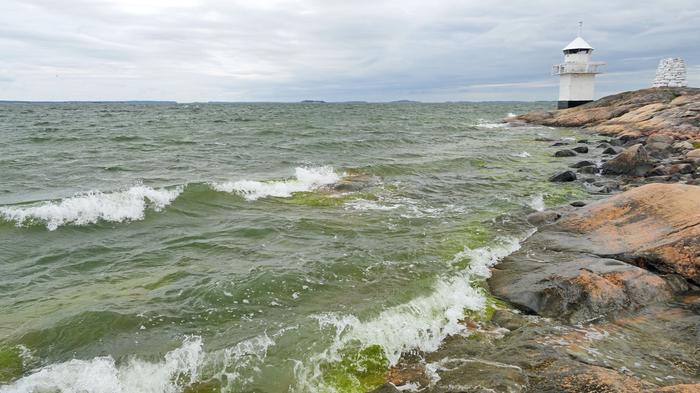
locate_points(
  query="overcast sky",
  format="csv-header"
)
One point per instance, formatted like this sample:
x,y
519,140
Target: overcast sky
x,y
375,50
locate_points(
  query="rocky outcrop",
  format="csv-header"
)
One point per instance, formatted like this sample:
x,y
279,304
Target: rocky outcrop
x,y
595,261
669,111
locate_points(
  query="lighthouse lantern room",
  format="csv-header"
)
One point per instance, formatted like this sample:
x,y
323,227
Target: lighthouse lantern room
x,y
577,73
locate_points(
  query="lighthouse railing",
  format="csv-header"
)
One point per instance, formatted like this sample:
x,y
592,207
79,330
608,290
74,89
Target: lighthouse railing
x,y
579,68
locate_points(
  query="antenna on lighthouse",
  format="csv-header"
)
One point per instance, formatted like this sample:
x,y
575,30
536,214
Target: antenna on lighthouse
x,y
580,28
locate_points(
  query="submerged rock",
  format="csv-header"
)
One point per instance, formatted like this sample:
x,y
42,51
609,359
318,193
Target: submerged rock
x,y
542,218
580,149
564,153
566,176
581,164
589,170
612,150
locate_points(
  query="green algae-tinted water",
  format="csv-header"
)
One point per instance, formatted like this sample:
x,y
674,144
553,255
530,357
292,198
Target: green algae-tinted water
x,y
198,248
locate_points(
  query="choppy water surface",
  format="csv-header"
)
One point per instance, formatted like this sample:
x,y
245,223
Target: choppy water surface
x,y
162,248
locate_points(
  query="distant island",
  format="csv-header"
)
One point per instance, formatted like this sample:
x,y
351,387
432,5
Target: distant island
x,y
141,102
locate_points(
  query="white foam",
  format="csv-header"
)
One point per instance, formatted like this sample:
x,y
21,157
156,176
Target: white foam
x,y
306,179
492,125
537,202
421,323
93,206
521,155
102,375
365,205
179,368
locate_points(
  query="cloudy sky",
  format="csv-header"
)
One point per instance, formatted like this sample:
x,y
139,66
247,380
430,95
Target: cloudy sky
x,y
289,50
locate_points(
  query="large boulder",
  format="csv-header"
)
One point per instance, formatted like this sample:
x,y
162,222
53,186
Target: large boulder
x,y
655,225
634,161
576,287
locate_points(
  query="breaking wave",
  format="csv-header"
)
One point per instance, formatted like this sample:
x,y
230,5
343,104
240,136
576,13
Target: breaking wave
x,y
422,323
92,207
180,368
305,179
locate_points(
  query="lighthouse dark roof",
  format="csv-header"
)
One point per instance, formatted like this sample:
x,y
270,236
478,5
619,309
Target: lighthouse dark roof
x,y
578,43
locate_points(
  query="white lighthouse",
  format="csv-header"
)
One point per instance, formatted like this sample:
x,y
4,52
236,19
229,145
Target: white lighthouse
x,y
577,73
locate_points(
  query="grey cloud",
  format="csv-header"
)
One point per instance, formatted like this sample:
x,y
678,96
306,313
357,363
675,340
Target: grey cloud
x,y
335,50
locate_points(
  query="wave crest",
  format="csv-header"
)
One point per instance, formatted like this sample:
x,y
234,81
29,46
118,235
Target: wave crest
x,y
102,375
93,206
421,323
306,179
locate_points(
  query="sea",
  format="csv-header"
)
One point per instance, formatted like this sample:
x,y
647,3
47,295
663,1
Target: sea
x,y
266,248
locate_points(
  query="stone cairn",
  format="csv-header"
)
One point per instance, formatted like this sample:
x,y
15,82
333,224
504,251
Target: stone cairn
x,y
670,73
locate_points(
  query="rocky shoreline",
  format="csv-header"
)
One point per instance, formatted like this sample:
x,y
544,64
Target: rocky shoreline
x,y
605,296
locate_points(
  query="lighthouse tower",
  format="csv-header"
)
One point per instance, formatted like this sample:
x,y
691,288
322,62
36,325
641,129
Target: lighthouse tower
x,y
577,73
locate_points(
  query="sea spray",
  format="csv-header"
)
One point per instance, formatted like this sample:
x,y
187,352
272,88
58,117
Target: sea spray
x,y
537,202
306,179
92,207
421,323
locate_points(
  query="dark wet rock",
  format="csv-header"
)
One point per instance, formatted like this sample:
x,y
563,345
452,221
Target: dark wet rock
x,y
581,164
564,153
588,170
578,204
612,150
386,388
561,143
634,161
542,218
603,145
580,149
584,141
543,139
681,168
658,171
566,176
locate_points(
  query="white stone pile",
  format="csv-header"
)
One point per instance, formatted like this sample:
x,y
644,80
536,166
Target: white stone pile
x,y
671,73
